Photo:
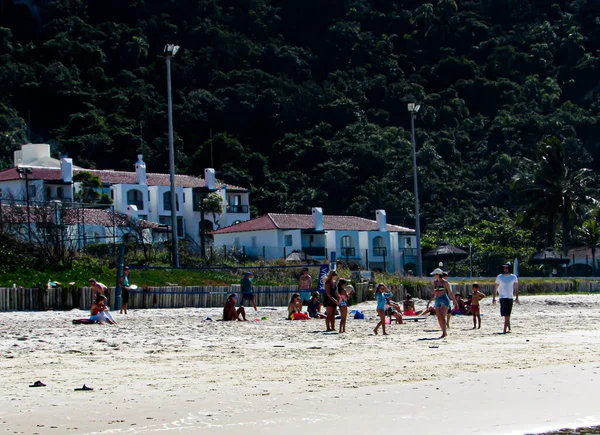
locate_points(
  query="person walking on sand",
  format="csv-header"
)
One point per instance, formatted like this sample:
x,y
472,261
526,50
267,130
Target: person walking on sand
x,y
383,294
304,285
441,296
125,287
330,300
507,285
476,296
247,288
97,289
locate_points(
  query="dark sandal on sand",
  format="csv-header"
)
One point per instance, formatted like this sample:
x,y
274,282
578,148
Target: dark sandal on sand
x,y
38,384
84,388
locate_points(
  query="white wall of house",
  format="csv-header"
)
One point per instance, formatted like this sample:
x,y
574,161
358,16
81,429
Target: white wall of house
x,y
15,189
253,241
290,239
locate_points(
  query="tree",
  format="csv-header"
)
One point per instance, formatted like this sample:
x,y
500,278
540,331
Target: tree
x,y
88,193
214,204
590,231
553,194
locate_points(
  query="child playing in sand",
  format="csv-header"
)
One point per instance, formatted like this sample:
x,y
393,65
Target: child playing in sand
x,y
383,294
475,298
314,307
99,311
295,305
345,292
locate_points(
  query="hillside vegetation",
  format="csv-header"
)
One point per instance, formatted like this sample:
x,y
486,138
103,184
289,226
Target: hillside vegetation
x,y
306,99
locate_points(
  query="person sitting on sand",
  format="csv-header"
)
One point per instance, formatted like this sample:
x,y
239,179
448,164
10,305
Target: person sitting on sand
x,y
476,297
99,311
314,307
461,307
230,312
392,308
409,306
97,289
295,305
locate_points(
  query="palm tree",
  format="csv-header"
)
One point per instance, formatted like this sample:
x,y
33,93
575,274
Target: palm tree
x,y
590,231
552,194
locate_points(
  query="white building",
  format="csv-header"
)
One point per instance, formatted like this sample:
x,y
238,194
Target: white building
x,y
52,179
372,244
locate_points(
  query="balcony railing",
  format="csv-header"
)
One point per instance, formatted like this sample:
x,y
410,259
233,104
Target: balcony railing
x,y
380,251
408,252
315,251
348,252
237,209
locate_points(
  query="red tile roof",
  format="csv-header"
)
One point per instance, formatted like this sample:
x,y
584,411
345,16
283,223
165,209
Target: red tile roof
x,y
17,214
272,221
113,177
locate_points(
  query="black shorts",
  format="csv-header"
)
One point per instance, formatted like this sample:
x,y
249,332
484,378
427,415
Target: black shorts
x,y
247,297
124,296
506,305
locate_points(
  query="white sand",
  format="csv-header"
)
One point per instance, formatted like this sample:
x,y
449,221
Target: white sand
x,y
166,370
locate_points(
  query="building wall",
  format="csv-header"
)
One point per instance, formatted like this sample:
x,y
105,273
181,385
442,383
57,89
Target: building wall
x,y
253,241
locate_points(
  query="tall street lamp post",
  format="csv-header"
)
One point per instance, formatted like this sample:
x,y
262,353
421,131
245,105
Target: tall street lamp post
x,y
170,51
25,172
413,109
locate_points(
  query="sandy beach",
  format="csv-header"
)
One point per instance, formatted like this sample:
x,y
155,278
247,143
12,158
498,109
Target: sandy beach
x,y
169,370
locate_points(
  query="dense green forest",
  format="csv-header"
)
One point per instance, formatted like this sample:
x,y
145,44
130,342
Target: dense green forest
x,y
304,101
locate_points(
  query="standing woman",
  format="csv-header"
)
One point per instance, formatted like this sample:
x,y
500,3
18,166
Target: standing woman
x,y
441,294
124,284
331,300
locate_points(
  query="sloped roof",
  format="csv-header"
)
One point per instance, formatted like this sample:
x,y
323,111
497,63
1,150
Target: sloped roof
x,y
17,214
279,221
112,177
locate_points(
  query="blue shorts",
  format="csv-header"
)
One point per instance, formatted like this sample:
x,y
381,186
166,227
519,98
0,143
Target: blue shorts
x,y
442,301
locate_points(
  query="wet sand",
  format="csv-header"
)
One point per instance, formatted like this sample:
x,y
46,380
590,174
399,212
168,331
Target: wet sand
x,y
167,370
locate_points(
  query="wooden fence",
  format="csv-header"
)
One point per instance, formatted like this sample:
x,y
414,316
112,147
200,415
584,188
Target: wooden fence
x,y
20,299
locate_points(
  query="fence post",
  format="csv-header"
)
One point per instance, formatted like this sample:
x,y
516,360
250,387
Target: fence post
x,y
211,254
225,251
367,259
264,253
384,262
120,265
333,258
284,253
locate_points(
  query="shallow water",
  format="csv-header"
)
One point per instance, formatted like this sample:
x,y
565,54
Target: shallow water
x,y
579,431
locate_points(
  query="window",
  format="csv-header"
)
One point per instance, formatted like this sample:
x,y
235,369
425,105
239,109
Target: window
x,y
347,247
288,240
48,193
148,196
135,197
167,201
59,192
408,242
143,217
379,247
92,237
166,220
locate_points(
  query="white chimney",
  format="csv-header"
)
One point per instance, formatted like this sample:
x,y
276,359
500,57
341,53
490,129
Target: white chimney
x,y
66,169
317,217
209,179
132,212
140,170
381,220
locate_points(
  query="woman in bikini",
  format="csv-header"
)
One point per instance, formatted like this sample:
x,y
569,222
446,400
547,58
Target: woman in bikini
x,y
441,296
331,300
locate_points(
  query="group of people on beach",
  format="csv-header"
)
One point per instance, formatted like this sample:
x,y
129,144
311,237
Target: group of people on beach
x,y
338,292
99,311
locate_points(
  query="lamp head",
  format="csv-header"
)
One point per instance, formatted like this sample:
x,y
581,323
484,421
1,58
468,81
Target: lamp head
x,y
413,107
171,49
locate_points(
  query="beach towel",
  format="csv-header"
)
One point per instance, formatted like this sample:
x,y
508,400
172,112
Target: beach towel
x,y
84,321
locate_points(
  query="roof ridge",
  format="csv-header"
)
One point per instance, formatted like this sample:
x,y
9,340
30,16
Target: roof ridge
x,y
273,220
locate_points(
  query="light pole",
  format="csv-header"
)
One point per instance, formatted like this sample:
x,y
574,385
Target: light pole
x,y
413,109
25,172
170,51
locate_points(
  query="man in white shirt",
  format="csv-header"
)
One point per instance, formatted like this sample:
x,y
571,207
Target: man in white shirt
x,y
506,286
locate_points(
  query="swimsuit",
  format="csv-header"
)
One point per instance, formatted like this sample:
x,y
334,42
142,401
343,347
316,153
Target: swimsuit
x,y
443,300
474,309
327,302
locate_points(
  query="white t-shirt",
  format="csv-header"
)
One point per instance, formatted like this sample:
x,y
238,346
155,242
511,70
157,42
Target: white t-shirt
x,y
505,285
